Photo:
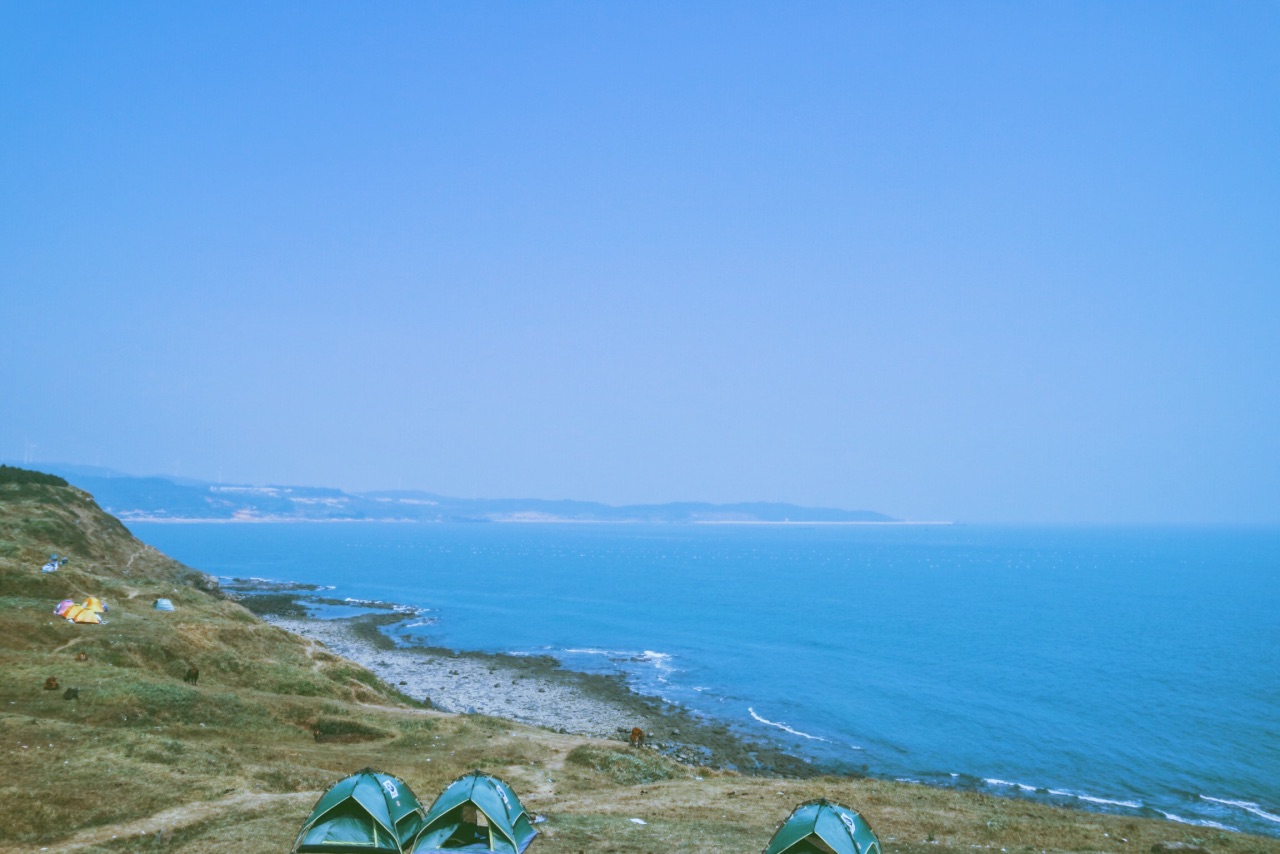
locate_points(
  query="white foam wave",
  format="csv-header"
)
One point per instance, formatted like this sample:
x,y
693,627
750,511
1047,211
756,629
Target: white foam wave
x,y
1198,822
1247,806
992,781
1133,805
660,660
783,726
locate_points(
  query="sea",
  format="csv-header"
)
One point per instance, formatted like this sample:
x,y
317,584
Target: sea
x,y
1130,670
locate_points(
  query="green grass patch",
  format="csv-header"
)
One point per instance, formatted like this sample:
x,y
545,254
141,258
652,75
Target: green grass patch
x,y
346,731
627,767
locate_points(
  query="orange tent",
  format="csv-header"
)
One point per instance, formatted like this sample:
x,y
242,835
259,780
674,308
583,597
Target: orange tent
x,y
87,615
95,604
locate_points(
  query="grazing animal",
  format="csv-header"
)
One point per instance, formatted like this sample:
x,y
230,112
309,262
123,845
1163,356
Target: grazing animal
x,y
193,675
637,736
71,694
82,656
51,684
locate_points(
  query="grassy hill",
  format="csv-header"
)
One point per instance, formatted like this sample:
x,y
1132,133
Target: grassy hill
x,y
142,761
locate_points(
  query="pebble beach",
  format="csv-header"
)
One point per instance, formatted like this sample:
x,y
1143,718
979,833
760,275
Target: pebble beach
x,y
536,691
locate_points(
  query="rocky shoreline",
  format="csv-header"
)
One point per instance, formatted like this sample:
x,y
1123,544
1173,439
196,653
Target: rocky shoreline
x,y
533,690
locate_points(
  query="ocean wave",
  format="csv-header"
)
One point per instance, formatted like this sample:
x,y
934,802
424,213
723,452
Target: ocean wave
x,y
660,661
1198,822
1247,806
783,726
992,781
1133,805
1065,793
430,622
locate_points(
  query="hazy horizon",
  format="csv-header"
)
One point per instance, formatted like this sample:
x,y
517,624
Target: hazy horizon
x,y
981,261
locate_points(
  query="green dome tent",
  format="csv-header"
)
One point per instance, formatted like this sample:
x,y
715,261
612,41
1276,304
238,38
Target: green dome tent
x,y
367,811
824,827
476,812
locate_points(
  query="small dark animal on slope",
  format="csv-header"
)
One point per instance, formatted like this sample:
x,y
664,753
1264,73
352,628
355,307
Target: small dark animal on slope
x,y
82,656
193,675
51,684
637,736
71,694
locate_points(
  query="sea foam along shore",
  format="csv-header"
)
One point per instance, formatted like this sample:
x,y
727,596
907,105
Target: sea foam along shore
x,y
535,690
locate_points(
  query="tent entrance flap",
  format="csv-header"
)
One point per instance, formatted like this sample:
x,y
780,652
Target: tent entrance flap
x,y
811,846
344,832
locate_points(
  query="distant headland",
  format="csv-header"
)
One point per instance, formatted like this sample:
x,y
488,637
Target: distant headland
x,y
171,499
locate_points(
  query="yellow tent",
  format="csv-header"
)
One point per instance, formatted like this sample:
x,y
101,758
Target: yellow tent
x,y
71,612
85,615
95,604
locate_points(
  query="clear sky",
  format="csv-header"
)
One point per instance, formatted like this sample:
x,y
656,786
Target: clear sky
x,y
995,261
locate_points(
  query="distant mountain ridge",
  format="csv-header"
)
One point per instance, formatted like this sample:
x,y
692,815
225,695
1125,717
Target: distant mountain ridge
x,y
161,498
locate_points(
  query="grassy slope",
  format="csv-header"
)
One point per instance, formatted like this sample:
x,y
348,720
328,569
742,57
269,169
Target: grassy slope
x,y
142,761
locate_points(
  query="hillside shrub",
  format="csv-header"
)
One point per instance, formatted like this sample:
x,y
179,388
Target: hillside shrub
x,y
346,730
22,477
625,766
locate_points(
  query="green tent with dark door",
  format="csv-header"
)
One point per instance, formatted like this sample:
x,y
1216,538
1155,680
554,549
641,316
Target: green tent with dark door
x,y
367,811
824,827
476,812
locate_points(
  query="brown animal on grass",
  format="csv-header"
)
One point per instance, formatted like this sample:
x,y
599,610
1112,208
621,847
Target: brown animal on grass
x,y
71,694
193,675
82,656
637,737
51,684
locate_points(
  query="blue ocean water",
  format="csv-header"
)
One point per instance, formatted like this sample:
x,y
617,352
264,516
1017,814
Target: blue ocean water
x,y
1132,670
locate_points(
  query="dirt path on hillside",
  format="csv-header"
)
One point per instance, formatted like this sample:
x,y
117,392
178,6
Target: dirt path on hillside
x,y
70,643
170,820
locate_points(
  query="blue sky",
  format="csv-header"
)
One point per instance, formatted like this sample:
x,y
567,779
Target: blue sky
x,y
1012,262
